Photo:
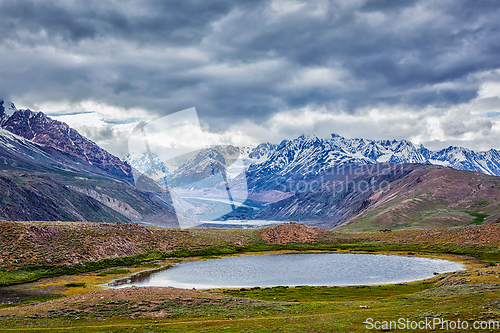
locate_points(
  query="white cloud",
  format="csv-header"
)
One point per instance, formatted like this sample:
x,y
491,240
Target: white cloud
x,y
489,89
434,127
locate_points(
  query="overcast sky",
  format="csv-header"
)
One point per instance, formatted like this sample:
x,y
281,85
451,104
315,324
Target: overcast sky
x,y
426,71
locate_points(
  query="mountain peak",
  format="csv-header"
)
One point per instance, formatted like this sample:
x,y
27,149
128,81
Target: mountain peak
x,y
308,137
7,109
41,129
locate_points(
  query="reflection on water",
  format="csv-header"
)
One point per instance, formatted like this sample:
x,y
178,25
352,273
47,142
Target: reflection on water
x,y
315,269
139,277
22,292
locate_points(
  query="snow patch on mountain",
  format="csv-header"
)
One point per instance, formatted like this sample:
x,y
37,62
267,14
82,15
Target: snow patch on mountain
x,y
7,108
155,168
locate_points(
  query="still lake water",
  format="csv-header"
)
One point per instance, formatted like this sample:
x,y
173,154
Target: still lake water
x,y
313,269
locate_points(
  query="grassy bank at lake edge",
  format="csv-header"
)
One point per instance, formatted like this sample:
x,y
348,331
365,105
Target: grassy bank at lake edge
x,y
30,248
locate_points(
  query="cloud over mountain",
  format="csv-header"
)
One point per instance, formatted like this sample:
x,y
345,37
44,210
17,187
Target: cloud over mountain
x,y
241,61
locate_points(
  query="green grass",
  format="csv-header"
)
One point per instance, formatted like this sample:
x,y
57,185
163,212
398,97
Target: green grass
x,y
478,217
292,309
75,284
302,309
113,271
30,273
325,294
211,244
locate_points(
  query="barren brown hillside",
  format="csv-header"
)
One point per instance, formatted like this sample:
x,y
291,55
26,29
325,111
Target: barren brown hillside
x,y
287,233
431,198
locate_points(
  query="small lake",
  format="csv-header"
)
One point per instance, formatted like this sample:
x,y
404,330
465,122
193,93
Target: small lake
x,y
313,269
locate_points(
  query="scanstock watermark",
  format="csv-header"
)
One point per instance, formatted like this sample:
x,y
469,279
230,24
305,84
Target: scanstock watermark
x,y
431,324
174,158
341,180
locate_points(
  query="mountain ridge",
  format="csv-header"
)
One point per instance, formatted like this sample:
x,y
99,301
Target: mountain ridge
x,y
310,155
431,198
332,183
39,128
42,183
298,155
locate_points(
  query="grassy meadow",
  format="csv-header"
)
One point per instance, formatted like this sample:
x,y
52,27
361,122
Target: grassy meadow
x,y
72,297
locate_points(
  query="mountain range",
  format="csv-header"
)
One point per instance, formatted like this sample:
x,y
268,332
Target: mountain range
x,y
48,171
307,154
307,179
310,155
315,174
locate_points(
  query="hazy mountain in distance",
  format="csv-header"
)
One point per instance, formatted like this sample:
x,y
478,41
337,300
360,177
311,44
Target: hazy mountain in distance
x,y
199,161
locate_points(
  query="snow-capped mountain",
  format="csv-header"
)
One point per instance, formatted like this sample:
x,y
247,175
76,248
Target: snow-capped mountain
x,y
145,163
37,127
309,156
189,168
312,155
304,155
150,165
260,153
214,157
7,109
256,154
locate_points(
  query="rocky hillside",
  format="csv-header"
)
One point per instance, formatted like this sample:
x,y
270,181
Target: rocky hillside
x,y
334,197
290,233
383,196
42,243
41,183
37,127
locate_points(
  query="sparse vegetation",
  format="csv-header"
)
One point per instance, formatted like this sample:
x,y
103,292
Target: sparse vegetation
x,y
114,272
465,295
33,250
478,217
75,284
431,199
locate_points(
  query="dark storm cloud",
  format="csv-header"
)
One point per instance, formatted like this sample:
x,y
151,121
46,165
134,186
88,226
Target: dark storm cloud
x,y
247,59
385,5
149,21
